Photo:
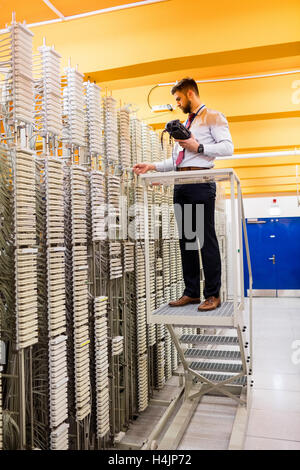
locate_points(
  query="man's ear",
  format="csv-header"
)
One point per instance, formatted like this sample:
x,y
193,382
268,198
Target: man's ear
x,y
189,94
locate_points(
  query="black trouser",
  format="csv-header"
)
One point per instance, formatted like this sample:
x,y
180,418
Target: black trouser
x,y
193,194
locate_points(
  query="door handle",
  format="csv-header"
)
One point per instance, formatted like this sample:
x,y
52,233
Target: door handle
x,y
273,258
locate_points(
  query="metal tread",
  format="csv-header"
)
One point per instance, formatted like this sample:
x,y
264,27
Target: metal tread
x,y
213,354
216,366
210,339
225,310
221,377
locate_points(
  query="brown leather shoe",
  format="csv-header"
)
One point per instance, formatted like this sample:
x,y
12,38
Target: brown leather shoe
x,y
209,304
184,300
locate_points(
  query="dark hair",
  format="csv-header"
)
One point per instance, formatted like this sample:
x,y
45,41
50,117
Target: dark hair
x,y
184,85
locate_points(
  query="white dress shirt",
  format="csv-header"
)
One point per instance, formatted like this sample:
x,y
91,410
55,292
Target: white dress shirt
x,y
210,128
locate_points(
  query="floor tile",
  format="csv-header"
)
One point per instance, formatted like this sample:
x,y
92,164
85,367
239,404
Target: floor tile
x,y
276,381
274,424
259,443
277,400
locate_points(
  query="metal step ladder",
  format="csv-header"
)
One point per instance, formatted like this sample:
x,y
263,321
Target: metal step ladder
x,y
219,363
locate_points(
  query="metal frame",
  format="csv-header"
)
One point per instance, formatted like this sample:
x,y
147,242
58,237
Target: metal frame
x,y
192,394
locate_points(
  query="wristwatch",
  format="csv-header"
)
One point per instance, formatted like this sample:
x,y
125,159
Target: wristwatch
x,y
200,149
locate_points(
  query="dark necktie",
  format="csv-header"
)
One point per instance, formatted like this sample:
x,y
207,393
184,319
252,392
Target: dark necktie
x,y
181,153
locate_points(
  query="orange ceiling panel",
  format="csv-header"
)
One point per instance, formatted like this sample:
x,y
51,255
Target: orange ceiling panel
x,y
35,11
32,11
70,8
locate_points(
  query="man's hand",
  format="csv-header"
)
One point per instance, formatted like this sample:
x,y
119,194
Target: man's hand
x,y
190,144
141,168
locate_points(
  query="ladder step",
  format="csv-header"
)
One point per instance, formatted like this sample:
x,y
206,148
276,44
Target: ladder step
x,y
209,339
213,354
223,316
216,366
221,377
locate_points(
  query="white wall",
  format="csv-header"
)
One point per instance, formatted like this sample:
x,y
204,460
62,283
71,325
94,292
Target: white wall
x,y
259,206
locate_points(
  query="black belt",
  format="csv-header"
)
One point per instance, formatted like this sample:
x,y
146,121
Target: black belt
x,y
191,168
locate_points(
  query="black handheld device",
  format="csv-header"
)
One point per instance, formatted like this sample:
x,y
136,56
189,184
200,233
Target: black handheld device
x,y
176,130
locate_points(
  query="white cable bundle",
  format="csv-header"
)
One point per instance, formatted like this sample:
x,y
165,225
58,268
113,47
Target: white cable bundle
x,y
94,118
159,264
20,77
138,224
73,108
160,362
152,265
51,121
54,200
25,198
58,381
117,345
143,395
59,438
97,181
140,270
151,334
111,129
26,297
167,293
81,331
124,137
25,253
159,283
174,357
160,330
79,204
56,291
174,291
172,222
168,355
115,260
128,248
78,178
101,353
155,146
166,263
151,214
146,143
173,262
165,217
156,214
136,140
141,325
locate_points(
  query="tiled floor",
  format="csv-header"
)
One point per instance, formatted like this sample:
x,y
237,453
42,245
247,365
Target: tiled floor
x,y
274,418
274,421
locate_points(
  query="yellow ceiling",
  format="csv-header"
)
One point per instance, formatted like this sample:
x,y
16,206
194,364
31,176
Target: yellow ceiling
x,y
132,50
34,11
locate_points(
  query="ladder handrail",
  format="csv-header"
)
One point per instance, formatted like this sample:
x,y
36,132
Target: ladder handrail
x,y
250,282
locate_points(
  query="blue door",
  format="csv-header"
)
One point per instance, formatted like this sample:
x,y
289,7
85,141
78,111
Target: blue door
x,y
275,255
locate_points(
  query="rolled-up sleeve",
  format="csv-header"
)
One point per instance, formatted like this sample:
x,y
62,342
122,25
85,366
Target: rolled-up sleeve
x,y
223,145
169,163
165,165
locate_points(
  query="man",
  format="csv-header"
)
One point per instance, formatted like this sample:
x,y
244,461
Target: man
x,y
210,139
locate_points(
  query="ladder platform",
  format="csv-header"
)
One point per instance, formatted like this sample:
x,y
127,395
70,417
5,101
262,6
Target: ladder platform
x,y
221,378
222,316
216,367
209,339
213,354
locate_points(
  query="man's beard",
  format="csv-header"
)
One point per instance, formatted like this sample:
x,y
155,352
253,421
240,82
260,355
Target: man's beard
x,y
187,109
